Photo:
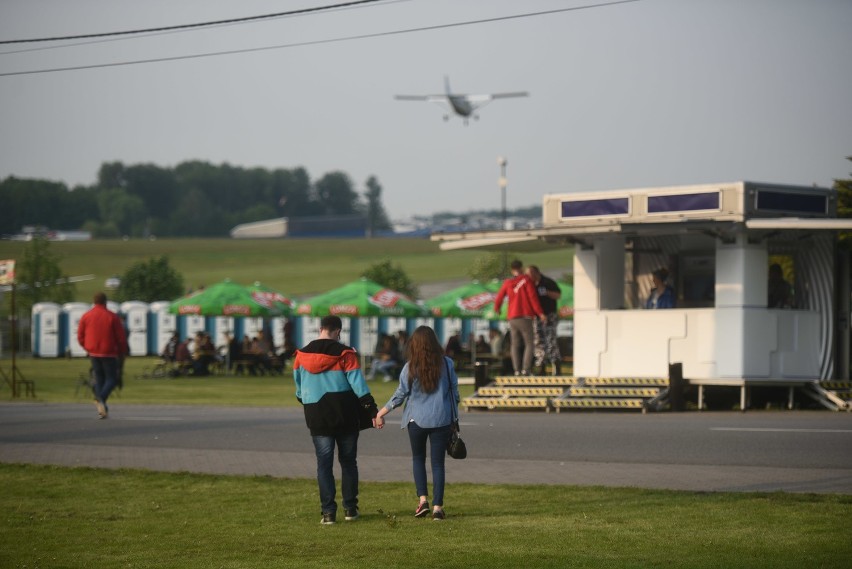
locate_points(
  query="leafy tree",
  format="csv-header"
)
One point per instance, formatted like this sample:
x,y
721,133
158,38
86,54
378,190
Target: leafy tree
x,y
125,211
150,281
377,218
491,266
39,276
392,277
334,194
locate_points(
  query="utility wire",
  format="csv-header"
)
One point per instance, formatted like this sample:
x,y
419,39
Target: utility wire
x,y
177,31
196,25
318,42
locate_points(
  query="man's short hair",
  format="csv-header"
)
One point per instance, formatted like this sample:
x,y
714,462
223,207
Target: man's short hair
x,y
100,298
516,265
331,323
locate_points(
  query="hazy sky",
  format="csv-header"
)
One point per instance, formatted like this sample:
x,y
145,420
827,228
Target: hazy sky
x,y
648,93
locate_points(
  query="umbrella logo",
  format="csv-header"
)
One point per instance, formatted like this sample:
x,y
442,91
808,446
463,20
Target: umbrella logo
x,y
268,299
190,309
304,309
476,302
236,310
386,298
343,309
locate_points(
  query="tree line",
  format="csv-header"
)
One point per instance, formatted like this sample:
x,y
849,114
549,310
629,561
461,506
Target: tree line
x,y
193,199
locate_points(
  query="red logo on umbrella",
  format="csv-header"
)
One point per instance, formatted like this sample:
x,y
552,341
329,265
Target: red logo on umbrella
x,y
476,302
236,310
386,298
345,309
268,299
190,309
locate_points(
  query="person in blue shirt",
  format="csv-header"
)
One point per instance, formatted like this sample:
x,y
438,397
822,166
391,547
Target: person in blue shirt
x,y
429,384
662,295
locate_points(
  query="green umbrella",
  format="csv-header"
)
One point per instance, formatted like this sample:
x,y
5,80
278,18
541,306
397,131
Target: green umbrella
x,y
564,306
361,298
230,299
467,301
272,298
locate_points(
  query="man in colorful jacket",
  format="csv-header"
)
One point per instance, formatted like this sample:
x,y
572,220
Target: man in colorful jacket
x,y
102,335
335,397
523,307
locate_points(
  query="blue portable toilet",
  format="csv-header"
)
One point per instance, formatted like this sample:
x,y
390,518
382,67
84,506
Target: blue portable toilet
x,y
46,330
136,323
161,325
72,312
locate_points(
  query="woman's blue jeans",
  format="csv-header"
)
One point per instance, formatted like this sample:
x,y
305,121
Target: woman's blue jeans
x,y
438,438
347,452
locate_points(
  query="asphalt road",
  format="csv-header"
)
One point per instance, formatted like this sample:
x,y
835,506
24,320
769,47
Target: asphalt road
x,y
792,451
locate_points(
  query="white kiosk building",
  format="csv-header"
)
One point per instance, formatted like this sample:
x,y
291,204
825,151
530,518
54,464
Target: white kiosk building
x,y
717,242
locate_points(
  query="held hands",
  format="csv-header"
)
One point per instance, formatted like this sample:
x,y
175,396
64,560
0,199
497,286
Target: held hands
x,y
378,422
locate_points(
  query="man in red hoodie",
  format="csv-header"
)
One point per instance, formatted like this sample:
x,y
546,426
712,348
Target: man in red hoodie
x,y
523,307
102,335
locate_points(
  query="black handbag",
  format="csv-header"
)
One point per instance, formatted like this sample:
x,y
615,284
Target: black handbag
x,y
456,447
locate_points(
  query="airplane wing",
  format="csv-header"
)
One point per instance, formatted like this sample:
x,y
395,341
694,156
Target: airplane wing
x,y
430,98
490,97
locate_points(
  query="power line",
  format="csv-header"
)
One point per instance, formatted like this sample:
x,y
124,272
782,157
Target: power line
x,y
317,42
196,25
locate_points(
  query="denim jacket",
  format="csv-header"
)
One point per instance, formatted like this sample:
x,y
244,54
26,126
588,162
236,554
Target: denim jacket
x,y
428,410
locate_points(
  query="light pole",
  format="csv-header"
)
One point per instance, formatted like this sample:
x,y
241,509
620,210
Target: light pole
x,y
503,162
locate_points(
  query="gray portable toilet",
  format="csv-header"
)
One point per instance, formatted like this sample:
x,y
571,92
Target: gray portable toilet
x,y
136,323
70,321
45,329
161,325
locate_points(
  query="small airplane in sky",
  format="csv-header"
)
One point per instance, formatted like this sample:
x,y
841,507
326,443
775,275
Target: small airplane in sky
x,y
462,105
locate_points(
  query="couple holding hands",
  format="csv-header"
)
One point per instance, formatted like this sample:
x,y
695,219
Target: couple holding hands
x,y
334,394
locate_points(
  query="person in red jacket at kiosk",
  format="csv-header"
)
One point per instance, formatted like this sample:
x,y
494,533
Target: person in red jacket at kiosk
x,y
523,307
102,335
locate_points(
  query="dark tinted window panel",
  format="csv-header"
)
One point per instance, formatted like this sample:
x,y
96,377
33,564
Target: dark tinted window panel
x,y
683,202
792,203
595,208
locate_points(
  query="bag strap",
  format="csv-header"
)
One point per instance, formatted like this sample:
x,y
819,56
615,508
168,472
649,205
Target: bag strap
x,y
453,410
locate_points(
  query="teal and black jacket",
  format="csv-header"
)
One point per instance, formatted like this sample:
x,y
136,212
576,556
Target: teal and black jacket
x,y
331,388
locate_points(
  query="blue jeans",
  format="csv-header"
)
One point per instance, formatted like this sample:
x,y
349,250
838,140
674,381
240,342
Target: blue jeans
x,y
439,438
347,451
106,377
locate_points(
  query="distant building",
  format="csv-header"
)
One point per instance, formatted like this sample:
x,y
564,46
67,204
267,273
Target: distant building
x,y
314,226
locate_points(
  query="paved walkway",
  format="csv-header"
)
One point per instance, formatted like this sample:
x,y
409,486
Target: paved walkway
x,y
793,452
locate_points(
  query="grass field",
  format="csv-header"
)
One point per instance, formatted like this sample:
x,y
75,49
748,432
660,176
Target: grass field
x,y
75,517
57,380
299,267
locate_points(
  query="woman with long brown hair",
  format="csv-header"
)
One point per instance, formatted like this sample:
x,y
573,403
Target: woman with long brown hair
x,y
430,385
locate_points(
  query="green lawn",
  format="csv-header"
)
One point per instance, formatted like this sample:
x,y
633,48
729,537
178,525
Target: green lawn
x,y
298,267
76,517
56,381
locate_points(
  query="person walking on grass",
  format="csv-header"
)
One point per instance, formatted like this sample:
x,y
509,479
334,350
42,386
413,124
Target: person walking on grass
x,y
332,389
102,335
429,384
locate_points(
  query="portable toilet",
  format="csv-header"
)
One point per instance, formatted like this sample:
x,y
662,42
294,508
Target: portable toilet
x,y
217,327
136,323
190,324
250,326
161,325
72,312
45,330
